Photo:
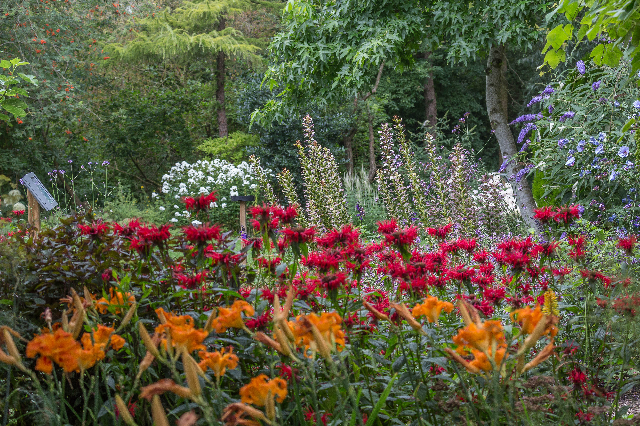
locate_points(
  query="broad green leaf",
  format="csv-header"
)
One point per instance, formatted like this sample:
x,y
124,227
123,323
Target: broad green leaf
x,y
554,57
559,35
628,125
18,112
5,64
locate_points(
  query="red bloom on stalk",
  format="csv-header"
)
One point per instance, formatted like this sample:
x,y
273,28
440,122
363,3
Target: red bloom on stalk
x,y
494,295
141,245
402,237
343,237
467,245
545,214
19,213
567,214
387,227
203,202
322,261
627,305
596,276
226,259
481,256
545,249
269,264
440,232
584,417
96,229
201,234
627,244
192,281
129,229
578,248
154,234
265,217
260,322
287,215
298,235
332,282
577,377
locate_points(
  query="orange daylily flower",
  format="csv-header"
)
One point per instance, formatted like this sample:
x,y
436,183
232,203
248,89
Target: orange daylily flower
x,y
116,298
529,318
184,335
162,386
218,361
232,317
328,325
94,350
431,308
482,337
260,388
59,347
481,361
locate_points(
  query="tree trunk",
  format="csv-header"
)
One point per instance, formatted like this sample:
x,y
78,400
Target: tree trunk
x,y
223,129
497,108
372,147
348,146
431,111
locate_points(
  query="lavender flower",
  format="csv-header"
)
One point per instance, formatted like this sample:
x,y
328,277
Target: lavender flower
x,y
570,161
636,104
525,130
566,115
548,90
595,86
623,152
562,142
613,175
581,67
581,145
504,165
550,109
534,100
526,118
599,149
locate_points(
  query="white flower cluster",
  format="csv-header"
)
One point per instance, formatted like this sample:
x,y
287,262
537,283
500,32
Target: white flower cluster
x,y
204,176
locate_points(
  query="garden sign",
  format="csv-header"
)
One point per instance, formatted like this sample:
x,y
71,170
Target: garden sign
x,y
38,196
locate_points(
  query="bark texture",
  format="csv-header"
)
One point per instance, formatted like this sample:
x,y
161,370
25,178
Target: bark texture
x,y
372,147
497,108
430,104
223,129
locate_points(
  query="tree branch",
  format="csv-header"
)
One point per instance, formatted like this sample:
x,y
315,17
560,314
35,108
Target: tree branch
x,y
373,90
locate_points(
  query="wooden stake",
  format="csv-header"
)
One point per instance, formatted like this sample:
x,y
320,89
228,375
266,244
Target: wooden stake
x,y
33,216
243,217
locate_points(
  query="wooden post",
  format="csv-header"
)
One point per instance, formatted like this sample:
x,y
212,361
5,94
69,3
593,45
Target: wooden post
x,y
243,217
33,216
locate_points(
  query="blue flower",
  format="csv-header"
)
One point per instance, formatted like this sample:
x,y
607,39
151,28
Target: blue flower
x,y
525,130
616,104
562,142
636,104
595,86
601,136
570,161
599,149
550,109
613,175
623,151
548,90
566,115
593,140
581,145
581,209
581,68
534,100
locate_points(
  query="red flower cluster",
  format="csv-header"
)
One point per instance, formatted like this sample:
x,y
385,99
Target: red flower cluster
x,y
566,214
201,234
191,281
298,235
128,230
441,232
201,203
627,244
95,230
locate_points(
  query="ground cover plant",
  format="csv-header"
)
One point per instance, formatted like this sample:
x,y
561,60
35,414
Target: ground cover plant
x,y
141,324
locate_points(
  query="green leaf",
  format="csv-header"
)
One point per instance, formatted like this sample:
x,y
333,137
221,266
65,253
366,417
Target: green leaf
x,y
554,57
606,55
383,399
628,125
5,64
559,35
18,112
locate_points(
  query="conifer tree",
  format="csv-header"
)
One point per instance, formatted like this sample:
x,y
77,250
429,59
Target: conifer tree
x,y
196,31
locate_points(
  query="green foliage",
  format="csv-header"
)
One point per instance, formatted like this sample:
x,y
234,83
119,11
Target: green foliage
x,y
10,94
363,201
611,25
232,148
122,206
539,189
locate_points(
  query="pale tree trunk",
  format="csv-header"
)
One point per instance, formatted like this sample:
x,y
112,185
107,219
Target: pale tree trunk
x,y
223,129
431,110
497,108
372,147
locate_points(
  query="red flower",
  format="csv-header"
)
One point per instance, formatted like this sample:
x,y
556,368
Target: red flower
x,y
481,256
544,214
96,229
466,245
190,282
203,202
494,295
286,216
545,249
578,248
260,322
627,305
567,214
577,377
584,417
402,237
154,234
332,282
387,227
596,276
202,233
343,237
440,232
127,230
298,235
18,212
269,264
627,244
141,245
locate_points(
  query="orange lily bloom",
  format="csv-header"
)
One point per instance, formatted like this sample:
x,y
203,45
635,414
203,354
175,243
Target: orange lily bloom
x,y
529,318
232,317
431,308
481,361
328,324
116,298
218,361
259,389
482,338
59,347
94,351
184,336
